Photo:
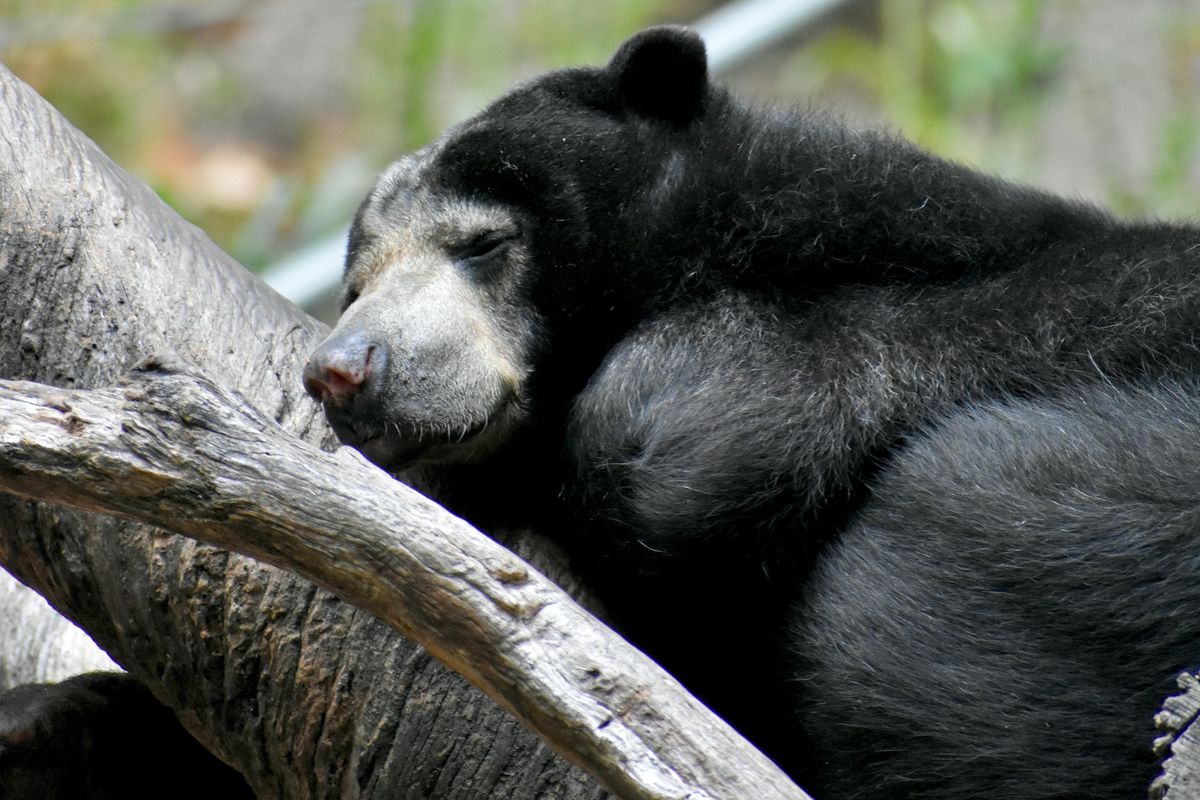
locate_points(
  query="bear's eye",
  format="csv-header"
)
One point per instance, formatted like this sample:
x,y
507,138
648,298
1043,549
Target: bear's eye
x,y
483,244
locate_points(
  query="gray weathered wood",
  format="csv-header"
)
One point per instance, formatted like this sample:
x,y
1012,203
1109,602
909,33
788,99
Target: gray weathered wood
x,y
36,644
309,697
1179,722
183,451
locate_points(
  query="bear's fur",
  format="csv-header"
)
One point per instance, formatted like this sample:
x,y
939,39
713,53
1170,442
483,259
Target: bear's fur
x,y
754,358
103,736
1004,617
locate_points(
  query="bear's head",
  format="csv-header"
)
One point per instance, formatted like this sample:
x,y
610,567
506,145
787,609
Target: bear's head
x,y
488,273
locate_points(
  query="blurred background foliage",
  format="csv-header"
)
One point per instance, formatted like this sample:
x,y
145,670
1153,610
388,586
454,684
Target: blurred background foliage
x,y
262,121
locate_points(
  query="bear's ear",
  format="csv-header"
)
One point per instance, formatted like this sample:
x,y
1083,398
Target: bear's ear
x,y
662,73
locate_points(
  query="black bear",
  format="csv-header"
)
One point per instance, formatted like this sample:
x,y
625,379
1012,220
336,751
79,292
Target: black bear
x,y
891,462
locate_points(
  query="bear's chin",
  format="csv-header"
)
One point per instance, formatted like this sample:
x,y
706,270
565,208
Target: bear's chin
x,y
402,446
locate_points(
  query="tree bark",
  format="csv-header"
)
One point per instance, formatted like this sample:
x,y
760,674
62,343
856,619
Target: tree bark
x,y
308,696
1179,744
36,644
177,448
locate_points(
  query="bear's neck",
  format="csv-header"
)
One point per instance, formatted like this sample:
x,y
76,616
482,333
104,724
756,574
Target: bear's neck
x,y
799,202
515,487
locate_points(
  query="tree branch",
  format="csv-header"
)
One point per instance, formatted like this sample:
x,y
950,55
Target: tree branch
x,y
168,446
1179,744
309,697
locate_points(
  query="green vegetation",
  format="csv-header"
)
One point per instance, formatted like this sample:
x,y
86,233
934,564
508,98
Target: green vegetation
x,y
977,81
159,84
170,89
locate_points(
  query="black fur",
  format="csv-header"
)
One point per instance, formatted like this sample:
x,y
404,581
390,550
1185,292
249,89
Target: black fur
x,y
103,736
1005,616
745,318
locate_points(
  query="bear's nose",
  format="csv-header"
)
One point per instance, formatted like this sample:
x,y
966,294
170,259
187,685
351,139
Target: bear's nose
x,y
338,370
